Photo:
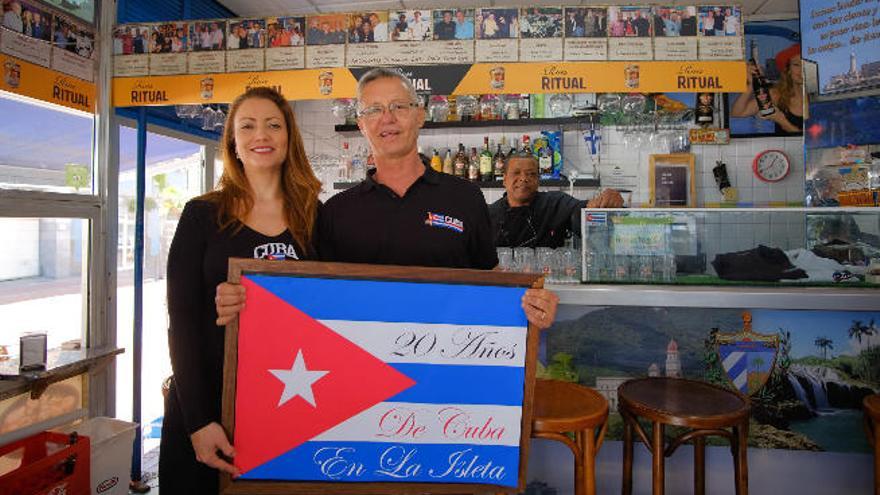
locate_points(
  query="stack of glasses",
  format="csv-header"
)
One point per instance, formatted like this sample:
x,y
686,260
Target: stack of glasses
x,y
559,266
602,267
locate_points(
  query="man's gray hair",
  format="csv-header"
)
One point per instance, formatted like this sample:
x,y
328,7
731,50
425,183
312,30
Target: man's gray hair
x,y
385,73
521,155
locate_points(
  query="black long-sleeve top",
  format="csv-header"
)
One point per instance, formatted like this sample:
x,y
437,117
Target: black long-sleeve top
x,y
545,222
197,263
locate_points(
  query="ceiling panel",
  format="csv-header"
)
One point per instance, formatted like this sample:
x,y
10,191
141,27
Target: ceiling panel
x,y
752,8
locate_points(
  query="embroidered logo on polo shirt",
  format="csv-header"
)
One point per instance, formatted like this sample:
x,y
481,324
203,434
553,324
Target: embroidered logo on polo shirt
x,y
444,222
275,251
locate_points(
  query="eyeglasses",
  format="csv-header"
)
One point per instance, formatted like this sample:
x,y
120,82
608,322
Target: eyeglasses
x,y
397,108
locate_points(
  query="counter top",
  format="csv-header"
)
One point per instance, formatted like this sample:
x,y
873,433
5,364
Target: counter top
x,y
60,366
837,298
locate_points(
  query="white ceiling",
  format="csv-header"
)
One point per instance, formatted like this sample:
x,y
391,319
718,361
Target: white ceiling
x,y
753,9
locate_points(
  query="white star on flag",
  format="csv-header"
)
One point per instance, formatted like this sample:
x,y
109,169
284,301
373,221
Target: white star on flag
x,y
298,380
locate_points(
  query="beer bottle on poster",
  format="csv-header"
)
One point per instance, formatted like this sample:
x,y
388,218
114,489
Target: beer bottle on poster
x,y
761,89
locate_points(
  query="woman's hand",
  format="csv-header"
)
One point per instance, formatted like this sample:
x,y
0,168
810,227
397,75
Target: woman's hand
x,y
229,301
540,307
207,441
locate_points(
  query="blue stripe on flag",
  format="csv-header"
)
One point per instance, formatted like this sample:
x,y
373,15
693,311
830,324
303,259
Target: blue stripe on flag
x,y
737,369
451,384
368,300
373,462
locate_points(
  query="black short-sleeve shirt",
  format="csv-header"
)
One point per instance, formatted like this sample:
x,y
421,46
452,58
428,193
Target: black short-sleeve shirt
x,y
440,221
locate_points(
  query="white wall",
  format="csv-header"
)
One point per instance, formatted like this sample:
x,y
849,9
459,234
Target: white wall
x,y
316,123
19,248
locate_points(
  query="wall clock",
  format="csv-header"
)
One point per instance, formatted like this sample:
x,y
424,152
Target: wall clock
x,y
771,165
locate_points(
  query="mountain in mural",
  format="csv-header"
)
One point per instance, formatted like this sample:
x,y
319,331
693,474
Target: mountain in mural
x,y
626,341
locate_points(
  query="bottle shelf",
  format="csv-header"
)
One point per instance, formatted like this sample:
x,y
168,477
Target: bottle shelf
x,y
553,122
339,186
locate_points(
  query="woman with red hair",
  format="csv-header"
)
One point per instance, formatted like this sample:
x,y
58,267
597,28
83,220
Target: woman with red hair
x,y
786,94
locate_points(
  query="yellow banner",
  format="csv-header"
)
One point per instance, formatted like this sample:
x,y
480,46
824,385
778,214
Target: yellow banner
x,y
604,77
310,84
44,84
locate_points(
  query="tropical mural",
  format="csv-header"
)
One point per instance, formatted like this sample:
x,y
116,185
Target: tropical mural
x,y
806,371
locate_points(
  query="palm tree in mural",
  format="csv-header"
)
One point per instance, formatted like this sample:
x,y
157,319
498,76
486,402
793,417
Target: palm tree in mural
x,y
824,343
859,330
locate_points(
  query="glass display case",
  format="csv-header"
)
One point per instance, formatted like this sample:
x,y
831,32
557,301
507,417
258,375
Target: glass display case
x,y
791,246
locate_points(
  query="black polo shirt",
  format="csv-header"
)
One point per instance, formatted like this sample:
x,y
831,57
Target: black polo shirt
x,y
441,221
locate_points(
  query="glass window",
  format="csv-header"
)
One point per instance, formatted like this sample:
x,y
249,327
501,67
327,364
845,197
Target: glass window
x,y
173,176
45,147
43,264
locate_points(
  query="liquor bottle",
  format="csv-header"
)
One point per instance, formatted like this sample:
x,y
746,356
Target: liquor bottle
x,y
761,89
486,172
359,164
545,160
343,170
473,171
498,165
526,146
436,162
448,168
705,114
461,162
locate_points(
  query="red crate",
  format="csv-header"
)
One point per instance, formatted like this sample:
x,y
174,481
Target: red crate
x,y
51,464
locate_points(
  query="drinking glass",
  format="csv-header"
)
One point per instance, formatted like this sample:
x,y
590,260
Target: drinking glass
x,y
545,263
524,259
505,259
568,266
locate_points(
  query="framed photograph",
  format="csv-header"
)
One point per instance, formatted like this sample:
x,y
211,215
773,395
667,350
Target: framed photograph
x,y
325,393
368,27
328,29
671,182
541,22
246,33
454,24
131,39
773,45
586,22
285,32
493,24
629,22
411,25
169,37
674,21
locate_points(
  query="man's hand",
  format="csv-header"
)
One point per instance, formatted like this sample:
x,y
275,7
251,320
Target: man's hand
x,y
608,198
207,441
229,301
540,307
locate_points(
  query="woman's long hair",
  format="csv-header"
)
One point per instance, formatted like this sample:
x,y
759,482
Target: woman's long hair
x,y
785,89
299,186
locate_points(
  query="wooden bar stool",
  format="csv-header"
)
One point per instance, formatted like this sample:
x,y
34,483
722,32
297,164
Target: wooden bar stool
x,y
563,407
702,407
872,421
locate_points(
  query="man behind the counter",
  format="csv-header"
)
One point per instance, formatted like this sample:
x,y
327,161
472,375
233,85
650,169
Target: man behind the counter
x,y
525,217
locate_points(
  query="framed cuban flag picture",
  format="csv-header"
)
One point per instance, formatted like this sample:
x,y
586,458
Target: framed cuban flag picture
x,y
352,378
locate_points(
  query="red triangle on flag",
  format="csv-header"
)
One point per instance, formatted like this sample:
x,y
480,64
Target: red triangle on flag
x,y
271,334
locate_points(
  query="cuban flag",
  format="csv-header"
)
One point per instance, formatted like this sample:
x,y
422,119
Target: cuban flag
x,y
379,381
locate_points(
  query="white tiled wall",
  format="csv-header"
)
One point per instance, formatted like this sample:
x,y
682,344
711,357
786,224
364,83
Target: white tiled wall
x,y
316,123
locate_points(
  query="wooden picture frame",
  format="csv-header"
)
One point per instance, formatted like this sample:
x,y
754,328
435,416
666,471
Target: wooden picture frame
x,y
287,279
672,181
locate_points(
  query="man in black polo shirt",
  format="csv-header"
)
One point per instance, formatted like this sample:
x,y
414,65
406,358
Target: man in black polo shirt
x,y
525,217
404,213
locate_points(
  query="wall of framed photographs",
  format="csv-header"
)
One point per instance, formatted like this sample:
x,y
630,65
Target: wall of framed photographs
x,y
689,48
